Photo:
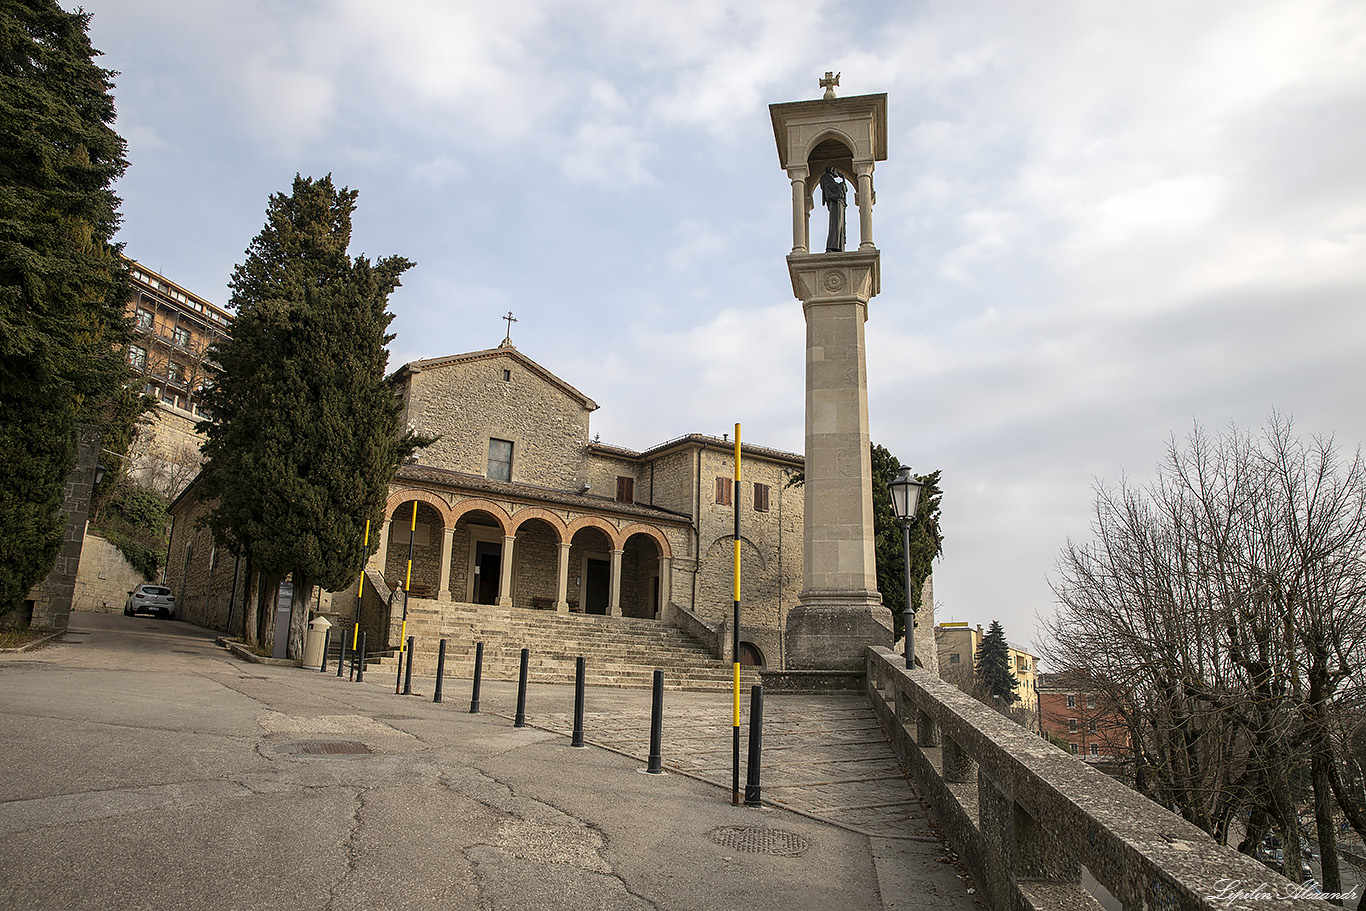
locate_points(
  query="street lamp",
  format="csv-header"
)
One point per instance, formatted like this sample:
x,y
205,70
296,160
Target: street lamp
x,y
905,492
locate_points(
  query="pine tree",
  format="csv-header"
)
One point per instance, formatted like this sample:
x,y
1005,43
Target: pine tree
x,y
62,282
992,662
304,442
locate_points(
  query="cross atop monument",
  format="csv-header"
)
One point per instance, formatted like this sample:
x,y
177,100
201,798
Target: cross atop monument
x,y
831,80
507,339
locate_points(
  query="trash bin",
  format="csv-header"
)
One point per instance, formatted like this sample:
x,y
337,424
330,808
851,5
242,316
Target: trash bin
x,y
313,646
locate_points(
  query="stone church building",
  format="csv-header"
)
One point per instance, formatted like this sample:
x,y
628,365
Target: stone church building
x,y
518,506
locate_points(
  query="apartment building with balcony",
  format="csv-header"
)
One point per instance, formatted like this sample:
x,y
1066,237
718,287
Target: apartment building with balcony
x,y
173,330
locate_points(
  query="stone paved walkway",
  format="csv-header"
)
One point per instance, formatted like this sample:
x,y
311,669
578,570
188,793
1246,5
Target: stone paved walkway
x,y
824,756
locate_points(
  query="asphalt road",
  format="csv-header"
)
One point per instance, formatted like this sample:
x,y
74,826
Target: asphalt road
x,y
144,767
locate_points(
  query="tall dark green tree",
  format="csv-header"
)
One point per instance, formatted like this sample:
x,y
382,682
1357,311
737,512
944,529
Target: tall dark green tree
x,y
926,542
62,282
992,662
304,440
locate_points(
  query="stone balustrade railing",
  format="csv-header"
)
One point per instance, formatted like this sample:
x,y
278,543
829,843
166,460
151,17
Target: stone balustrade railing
x,y
1025,816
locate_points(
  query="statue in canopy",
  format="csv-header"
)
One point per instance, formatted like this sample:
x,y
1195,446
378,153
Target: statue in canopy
x,y
833,189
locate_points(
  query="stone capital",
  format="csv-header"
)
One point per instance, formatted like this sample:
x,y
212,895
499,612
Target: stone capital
x,y
819,278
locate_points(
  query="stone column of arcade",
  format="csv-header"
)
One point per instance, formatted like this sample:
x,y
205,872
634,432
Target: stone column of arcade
x,y
447,539
505,572
840,611
562,580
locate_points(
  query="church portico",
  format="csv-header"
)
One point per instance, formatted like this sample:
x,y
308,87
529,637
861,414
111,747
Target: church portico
x,y
418,527
563,552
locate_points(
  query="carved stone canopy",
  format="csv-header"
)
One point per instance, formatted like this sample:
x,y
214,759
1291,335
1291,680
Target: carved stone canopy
x,y
847,134
858,124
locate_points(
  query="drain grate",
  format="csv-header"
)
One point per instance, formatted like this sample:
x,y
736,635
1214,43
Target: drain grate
x,y
321,748
759,840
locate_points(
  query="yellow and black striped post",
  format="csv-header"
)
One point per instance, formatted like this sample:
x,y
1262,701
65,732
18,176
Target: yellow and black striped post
x,y
360,592
407,585
735,635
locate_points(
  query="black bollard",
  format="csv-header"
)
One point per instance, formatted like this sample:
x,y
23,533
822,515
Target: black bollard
x,y
756,736
360,661
341,657
408,674
327,637
440,669
520,720
478,673
577,740
656,766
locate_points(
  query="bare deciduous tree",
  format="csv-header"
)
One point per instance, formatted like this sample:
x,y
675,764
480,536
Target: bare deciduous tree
x,y
1220,605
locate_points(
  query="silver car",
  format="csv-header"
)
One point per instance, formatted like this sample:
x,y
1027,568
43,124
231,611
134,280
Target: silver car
x,y
150,599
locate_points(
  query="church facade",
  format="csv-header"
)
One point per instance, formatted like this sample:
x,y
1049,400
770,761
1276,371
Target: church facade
x,y
517,506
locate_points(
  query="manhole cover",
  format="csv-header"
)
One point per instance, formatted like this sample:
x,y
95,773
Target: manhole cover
x,y
759,840
321,748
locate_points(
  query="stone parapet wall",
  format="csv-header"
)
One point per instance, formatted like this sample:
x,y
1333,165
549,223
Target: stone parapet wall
x,y
1025,816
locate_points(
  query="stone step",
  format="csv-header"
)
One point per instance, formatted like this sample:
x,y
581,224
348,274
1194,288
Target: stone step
x,y
700,682
620,651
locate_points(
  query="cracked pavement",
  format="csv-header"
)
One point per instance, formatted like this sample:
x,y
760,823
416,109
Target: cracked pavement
x,y
147,768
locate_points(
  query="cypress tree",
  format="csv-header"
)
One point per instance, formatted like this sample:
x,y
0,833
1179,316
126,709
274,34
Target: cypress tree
x,y
992,661
62,282
304,440
926,543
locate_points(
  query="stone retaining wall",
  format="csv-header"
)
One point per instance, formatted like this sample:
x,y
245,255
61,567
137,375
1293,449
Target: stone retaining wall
x,y
1025,816
105,578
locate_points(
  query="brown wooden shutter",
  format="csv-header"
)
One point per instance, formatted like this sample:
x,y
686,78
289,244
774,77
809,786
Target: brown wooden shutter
x,y
760,497
626,490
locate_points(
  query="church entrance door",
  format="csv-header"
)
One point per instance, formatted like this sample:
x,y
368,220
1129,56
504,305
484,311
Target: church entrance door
x,y
488,568
597,588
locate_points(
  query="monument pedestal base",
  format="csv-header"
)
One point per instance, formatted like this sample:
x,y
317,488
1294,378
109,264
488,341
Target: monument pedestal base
x,y
828,631
813,682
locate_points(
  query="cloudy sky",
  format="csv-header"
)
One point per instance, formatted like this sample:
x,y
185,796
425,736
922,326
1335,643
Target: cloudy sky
x,y
1099,222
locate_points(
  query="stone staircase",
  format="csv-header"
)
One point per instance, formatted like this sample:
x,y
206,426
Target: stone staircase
x,y
619,651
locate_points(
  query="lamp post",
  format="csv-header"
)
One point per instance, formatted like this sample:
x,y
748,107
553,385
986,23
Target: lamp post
x,y
905,492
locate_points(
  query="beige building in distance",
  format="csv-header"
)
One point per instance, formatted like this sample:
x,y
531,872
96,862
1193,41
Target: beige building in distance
x,y
957,644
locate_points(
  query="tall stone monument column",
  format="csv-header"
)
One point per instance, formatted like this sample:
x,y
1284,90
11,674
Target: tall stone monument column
x,y
831,144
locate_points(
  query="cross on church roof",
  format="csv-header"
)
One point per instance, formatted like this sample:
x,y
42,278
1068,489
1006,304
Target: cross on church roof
x,y
507,339
831,80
